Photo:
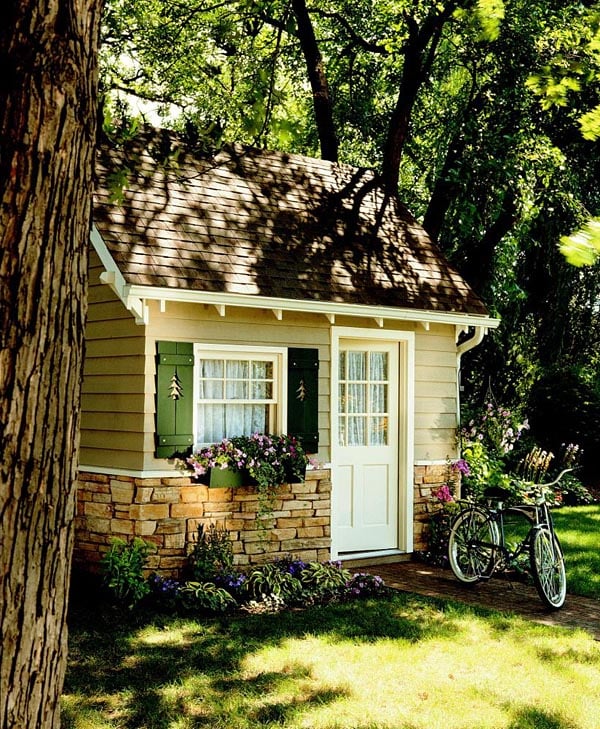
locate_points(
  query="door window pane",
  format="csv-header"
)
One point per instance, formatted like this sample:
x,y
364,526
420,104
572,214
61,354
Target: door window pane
x,y
363,398
357,366
357,431
378,431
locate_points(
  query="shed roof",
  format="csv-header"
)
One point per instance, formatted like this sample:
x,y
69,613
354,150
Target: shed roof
x,y
268,224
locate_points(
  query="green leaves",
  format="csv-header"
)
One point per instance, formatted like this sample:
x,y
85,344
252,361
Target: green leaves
x,y
590,124
123,569
490,14
582,248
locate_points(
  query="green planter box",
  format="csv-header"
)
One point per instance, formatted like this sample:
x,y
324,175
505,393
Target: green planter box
x,y
222,478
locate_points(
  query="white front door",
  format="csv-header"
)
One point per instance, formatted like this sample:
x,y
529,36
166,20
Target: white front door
x,y
366,448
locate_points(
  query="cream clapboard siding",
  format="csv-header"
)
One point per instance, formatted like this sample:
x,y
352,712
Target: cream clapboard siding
x,y
435,393
118,399
116,408
203,324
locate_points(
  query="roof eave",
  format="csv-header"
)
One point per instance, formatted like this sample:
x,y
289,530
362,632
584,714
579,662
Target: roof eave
x,y
306,306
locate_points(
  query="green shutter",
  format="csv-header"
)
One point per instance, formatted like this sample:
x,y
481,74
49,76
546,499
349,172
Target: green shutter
x,y
303,396
174,398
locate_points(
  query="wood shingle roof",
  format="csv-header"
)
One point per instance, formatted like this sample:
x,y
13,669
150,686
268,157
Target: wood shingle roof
x,y
268,224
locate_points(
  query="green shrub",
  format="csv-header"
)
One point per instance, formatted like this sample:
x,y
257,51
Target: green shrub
x,y
573,492
123,570
272,579
205,596
323,581
565,408
212,555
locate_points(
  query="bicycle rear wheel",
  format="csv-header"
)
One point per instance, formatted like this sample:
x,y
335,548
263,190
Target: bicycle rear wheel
x,y
548,568
471,551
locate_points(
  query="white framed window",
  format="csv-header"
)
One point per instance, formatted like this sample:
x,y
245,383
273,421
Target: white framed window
x,y
237,391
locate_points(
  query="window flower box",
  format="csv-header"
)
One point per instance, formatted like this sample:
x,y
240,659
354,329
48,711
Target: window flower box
x,y
260,459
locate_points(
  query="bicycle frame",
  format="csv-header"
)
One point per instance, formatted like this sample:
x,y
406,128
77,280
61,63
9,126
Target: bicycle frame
x,y
536,514
477,546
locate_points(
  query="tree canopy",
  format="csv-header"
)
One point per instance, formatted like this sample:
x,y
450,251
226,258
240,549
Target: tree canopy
x,y
482,115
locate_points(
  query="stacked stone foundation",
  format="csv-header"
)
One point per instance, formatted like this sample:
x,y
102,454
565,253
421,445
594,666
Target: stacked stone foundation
x,y
428,479
167,512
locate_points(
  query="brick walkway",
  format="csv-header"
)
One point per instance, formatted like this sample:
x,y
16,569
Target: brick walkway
x,y
496,594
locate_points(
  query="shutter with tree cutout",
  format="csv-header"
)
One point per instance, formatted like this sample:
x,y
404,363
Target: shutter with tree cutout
x,y
174,398
303,396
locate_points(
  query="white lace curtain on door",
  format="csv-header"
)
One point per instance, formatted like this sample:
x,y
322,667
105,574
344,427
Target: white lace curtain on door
x,y
363,398
235,383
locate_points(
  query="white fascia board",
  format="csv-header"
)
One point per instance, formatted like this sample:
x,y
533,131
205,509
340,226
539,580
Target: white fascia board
x,y
327,308
114,278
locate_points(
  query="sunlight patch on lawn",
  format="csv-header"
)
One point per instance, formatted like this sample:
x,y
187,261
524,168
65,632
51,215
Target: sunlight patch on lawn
x,y
482,678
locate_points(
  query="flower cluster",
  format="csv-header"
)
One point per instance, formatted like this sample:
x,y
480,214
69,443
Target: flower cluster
x,y
497,428
164,587
461,466
218,455
443,494
363,584
269,459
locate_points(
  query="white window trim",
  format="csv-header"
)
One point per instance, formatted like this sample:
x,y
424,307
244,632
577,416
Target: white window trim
x,y
280,379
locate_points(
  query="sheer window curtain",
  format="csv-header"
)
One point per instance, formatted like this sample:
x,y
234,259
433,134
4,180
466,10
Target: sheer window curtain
x,y
363,398
227,379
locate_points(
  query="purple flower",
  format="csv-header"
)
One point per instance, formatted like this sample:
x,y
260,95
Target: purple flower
x,y
462,466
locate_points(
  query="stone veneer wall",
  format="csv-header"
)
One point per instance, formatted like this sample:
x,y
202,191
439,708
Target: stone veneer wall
x,y
167,511
428,479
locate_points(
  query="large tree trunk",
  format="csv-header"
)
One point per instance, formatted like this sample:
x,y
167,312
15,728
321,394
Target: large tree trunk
x,y
48,56
419,55
322,103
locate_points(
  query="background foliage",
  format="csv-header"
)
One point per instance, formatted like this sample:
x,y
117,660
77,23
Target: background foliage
x,y
484,115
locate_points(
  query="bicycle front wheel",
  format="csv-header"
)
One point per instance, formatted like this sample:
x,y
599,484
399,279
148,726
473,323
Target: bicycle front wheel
x,y
548,568
471,545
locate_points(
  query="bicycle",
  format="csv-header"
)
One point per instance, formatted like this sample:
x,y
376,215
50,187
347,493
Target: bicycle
x,y
477,547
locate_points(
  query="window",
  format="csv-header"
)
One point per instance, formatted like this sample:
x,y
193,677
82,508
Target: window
x,y
363,397
237,392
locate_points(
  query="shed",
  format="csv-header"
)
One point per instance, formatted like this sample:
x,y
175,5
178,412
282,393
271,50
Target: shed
x,y
247,267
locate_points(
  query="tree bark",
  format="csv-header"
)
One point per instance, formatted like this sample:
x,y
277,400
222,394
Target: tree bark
x,y
48,53
419,55
322,103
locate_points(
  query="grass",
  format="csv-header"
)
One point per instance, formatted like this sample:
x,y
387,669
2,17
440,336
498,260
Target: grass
x,y
578,528
404,662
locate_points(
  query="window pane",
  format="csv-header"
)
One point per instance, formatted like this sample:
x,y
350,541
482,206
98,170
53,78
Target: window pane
x,y
342,433
262,391
378,432
356,431
357,365
342,399
378,365
211,368
237,369
236,390
342,372
262,370
378,395
357,398
211,423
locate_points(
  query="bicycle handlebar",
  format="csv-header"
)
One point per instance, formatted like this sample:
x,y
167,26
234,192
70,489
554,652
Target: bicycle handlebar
x,y
556,480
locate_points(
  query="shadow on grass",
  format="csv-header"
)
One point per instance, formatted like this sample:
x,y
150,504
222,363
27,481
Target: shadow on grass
x,y
530,718
140,670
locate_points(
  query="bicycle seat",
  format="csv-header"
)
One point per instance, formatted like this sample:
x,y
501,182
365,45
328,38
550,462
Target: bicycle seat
x,y
497,493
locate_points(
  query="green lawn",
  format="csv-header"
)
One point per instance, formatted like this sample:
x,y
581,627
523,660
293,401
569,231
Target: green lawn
x,y
403,661
578,528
